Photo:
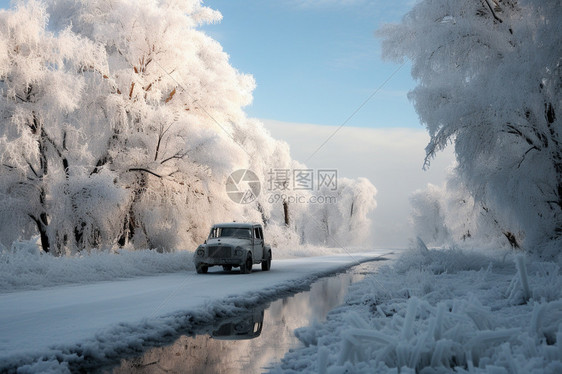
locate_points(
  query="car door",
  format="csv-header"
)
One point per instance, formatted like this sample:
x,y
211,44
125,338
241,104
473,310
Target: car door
x,y
258,243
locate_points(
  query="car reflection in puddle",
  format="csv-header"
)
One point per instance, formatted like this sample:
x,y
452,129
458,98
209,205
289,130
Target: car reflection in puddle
x,y
255,339
221,348
241,328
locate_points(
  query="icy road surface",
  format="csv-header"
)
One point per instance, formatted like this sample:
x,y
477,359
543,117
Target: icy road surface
x,y
103,318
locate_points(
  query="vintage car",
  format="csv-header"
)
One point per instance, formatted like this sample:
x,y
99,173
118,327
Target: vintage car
x,y
232,245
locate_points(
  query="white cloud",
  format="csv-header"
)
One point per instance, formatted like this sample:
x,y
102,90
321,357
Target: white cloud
x,y
390,158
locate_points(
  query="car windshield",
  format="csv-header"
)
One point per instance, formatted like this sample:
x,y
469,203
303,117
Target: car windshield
x,y
233,232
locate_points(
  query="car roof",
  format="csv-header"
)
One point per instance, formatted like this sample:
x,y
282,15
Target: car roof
x,y
244,225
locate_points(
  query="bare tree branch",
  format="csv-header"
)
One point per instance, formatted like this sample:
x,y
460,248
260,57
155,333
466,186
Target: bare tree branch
x,y
525,155
493,11
146,171
178,155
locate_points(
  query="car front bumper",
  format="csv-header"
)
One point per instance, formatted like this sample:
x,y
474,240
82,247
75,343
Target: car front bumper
x,y
209,261
219,255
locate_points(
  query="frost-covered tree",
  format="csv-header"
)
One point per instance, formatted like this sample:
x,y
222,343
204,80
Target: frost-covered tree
x,y
428,216
340,217
490,80
42,82
449,215
168,115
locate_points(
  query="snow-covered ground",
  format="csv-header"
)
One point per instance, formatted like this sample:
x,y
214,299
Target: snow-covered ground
x,y
429,311
439,311
112,307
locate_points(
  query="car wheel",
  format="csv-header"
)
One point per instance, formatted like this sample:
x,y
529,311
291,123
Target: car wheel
x,y
201,269
246,268
227,268
266,264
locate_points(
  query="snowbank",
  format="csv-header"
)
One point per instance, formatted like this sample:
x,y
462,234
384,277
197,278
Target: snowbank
x,y
24,267
309,250
434,311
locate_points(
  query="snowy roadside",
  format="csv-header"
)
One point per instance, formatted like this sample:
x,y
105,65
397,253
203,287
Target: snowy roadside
x,y
24,267
74,327
438,311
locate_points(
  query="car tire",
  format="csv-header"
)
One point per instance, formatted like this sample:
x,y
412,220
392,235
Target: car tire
x,y
227,268
266,264
246,267
202,269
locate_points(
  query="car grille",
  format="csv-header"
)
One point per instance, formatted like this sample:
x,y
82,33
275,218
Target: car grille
x,y
219,251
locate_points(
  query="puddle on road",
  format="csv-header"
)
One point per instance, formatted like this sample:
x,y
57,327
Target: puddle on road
x,y
255,340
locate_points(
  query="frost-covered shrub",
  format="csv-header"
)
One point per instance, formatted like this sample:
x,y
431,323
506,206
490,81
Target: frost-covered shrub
x,y
25,267
408,318
444,260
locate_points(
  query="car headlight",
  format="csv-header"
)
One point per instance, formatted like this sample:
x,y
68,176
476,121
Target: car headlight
x,y
238,252
200,252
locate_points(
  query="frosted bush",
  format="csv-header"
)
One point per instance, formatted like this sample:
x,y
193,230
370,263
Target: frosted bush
x,y
409,318
25,267
446,260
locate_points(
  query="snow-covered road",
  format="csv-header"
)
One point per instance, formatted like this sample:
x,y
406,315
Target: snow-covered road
x,y
52,325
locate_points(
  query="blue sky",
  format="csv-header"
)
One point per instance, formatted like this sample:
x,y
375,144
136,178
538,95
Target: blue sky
x,y
316,61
